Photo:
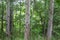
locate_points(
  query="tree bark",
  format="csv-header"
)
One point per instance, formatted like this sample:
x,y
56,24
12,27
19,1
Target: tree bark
x,y
2,12
50,20
9,17
27,20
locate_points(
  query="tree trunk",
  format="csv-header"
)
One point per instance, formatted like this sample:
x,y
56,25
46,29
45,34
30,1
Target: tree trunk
x,y
27,20
50,20
2,17
9,18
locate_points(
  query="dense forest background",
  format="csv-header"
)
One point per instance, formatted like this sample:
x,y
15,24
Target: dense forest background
x,y
29,19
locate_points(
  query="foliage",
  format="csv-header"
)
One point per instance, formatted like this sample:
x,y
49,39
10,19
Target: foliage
x,y
39,19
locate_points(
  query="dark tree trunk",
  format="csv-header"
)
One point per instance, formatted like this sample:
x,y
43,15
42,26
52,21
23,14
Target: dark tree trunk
x,y
2,12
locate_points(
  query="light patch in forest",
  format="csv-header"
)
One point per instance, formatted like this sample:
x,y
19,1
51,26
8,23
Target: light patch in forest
x,y
23,13
34,15
40,22
4,30
38,18
17,1
18,12
4,2
0,2
42,1
37,0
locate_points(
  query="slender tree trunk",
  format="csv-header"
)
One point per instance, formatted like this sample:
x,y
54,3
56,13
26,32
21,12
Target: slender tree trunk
x,y
27,20
2,17
20,17
9,18
50,20
2,12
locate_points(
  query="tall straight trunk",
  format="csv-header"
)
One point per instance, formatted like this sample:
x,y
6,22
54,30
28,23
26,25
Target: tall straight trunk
x,y
20,17
50,20
2,12
2,16
27,20
9,18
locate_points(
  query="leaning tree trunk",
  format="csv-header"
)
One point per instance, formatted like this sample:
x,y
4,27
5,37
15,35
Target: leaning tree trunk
x,y
27,20
50,20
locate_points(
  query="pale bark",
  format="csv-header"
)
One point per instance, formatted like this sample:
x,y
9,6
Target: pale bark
x,y
9,17
27,20
50,20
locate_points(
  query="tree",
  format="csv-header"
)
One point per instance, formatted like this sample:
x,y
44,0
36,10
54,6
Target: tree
x,y
2,17
9,17
50,20
27,20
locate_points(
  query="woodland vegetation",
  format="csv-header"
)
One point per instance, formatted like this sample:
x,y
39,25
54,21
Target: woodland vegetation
x,y
29,19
